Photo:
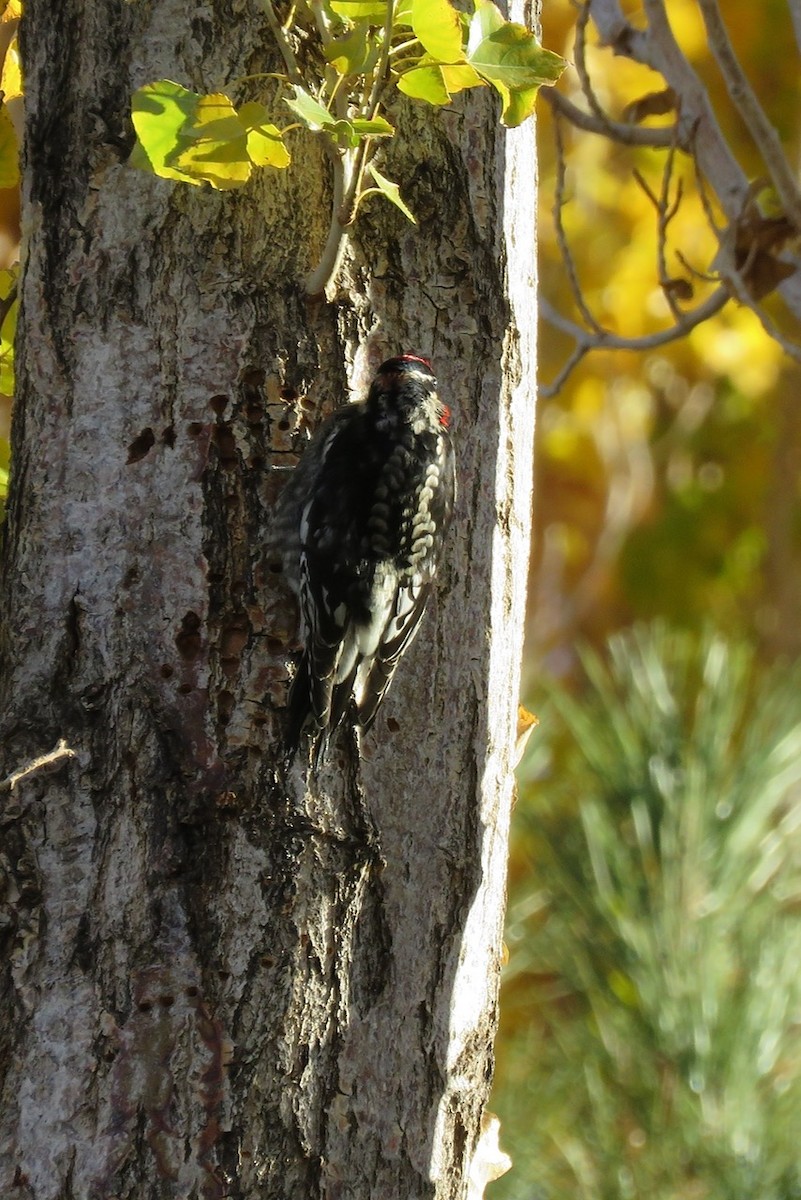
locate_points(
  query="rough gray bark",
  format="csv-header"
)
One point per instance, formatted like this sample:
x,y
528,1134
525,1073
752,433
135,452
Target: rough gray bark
x,y
212,983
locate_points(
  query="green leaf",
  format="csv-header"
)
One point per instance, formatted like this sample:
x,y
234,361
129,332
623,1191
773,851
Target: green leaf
x,y
376,127
213,146
425,83
350,133
159,112
403,13
310,111
460,76
344,134
487,19
436,82
355,53
392,192
202,139
437,25
509,54
264,144
374,11
517,106
9,151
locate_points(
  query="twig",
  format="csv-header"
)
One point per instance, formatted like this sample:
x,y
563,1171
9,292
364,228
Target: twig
x,y
382,70
665,211
603,339
656,47
348,171
284,45
353,193
744,98
581,64
60,751
561,235
735,279
618,131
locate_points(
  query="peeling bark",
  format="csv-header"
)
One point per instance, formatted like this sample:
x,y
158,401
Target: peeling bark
x,y
213,981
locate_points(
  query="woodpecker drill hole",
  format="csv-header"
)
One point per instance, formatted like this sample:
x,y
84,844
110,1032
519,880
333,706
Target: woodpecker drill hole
x,y
188,640
141,445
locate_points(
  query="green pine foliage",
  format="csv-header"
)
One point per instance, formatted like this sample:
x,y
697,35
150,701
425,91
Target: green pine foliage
x,y
653,997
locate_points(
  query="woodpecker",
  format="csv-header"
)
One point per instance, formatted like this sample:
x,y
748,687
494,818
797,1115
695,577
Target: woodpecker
x,y
362,523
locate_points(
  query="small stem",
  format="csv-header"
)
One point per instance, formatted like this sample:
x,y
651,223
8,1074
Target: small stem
x,y
407,45
334,92
331,257
321,21
383,66
290,17
259,75
349,171
284,45
350,200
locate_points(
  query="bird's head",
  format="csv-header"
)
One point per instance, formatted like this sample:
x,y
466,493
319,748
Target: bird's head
x,y
408,383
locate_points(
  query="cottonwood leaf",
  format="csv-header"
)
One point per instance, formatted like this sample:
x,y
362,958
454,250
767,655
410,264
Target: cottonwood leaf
x,y
392,192
355,53
360,10
213,146
311,112
265,146
438,27
510,57
159,111
436,82
425,83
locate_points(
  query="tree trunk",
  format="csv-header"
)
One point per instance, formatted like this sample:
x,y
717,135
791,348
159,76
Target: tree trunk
x,y
214,983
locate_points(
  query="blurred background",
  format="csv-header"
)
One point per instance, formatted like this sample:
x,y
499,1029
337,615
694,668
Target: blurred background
x,y
650,1040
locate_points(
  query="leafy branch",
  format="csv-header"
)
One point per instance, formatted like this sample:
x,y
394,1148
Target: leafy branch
x,y
425,49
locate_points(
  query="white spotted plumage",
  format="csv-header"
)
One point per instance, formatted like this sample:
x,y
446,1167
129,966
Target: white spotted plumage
x,y
373,496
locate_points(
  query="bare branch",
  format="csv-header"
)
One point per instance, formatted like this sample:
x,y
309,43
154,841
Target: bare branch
x,y
561,235
760,128
656,47
547,390
618,131
581,63
736,283
284,44
60,751
666,210
603,339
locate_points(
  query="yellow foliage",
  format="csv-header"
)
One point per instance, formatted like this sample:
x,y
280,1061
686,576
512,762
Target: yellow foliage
x,y
673,450
735,345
